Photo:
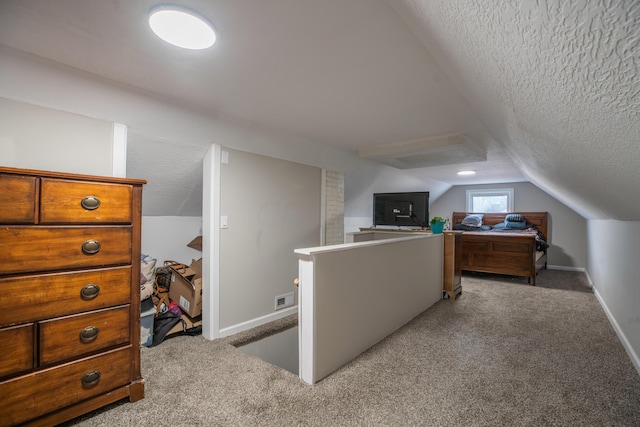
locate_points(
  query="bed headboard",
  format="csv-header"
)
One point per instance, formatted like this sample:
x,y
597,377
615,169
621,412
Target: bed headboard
x,y
539,219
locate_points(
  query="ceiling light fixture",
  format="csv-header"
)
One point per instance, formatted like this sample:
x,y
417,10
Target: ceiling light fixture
x,y
463,173
181,27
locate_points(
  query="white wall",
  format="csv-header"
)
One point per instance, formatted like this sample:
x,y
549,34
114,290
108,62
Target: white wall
x,y
166,237
28,79
614,247
362,182
354,295
33,80
272,207
567,229
39,82
33,137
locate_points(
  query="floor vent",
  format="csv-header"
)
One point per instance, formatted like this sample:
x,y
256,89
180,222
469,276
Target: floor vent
x,y
283,301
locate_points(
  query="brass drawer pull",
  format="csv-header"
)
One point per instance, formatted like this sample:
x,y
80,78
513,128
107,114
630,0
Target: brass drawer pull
x,y
91,247
89,334
90,203
91,378
89,292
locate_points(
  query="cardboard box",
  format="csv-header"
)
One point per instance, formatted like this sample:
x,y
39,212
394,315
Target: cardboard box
x,y
189,322
186,288
196,243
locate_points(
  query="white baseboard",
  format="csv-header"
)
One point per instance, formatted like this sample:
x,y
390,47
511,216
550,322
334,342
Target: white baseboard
x,y
625,342
589,279
258,321
565,268
623,339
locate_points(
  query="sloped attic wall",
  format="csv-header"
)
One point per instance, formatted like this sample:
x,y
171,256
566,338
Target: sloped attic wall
x,y
556,82
173,172
172,198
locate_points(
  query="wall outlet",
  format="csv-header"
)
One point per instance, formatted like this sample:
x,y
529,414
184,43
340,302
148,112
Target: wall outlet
x,y
283,301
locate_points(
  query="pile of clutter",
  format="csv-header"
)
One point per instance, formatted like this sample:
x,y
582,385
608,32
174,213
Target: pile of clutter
x,y
171,299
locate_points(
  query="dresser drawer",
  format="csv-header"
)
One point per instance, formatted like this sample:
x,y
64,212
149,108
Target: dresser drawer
x,y
73,336
30,396
17,199
17,349
30,249
64,201
52,295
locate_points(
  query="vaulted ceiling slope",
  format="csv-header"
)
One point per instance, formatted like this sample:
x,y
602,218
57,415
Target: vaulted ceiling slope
x,y
539,89
557,82
347,74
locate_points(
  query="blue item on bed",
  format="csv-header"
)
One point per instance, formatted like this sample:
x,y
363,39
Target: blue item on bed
x,y
511,225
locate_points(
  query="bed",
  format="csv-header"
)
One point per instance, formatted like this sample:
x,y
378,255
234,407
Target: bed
x,y
505,251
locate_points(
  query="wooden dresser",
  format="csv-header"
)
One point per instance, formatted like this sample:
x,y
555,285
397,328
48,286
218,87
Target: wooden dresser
x,y
69,294
452,274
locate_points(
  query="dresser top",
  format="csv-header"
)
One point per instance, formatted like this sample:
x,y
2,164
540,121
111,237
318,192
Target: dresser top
x,y
64,175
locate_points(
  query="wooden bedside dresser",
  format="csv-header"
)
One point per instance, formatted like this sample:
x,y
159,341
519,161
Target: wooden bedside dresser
x,y
452,274
69,294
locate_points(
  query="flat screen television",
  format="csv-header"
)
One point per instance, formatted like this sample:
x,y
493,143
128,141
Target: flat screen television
x,y
401,209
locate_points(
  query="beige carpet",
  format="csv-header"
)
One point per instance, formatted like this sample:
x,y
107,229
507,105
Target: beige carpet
x,y
504,354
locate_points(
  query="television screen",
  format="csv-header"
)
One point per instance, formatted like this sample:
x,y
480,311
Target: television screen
x,y
401,209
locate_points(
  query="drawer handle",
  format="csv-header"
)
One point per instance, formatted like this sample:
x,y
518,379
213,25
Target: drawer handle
x,y
90,203
91,247
89,334
91,378
89,291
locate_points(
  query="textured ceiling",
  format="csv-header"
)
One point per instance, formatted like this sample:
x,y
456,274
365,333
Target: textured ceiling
x,y
557,83
547,89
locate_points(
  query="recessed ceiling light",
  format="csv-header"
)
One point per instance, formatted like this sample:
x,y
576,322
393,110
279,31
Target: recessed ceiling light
x,y
467,173
181,27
